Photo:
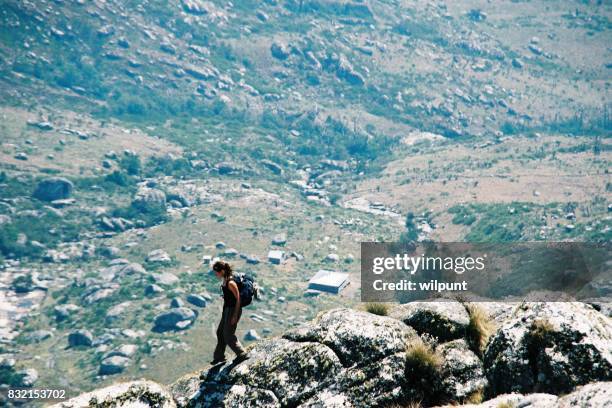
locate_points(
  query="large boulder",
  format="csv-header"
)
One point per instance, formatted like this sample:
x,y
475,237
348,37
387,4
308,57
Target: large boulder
x,y
280,51
53,188
292,371
150,200
537,400
159,256
65,311
462,373
592,395
444,319
124,395
178,318
549,347
355,336
113,365
80,338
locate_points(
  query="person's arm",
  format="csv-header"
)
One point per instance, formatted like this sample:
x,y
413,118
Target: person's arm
x,y
234,289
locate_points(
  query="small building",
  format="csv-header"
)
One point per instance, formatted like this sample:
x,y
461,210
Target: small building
x,y
328,281
276,257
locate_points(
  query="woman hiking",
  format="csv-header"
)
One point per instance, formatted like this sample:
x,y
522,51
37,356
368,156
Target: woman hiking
x,y
226,332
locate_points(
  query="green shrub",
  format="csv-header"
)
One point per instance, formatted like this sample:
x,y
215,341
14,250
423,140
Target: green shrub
x,y
131,165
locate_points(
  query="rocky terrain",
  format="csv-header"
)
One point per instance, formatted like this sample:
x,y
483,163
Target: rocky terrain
x,y
140,140
430,353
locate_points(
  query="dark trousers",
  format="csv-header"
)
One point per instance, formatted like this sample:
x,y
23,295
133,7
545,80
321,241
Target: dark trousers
x,y
226,335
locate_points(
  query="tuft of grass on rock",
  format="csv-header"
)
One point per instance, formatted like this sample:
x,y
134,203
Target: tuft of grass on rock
x,y
505,404
423,373
380,309
540,329
476,397
420,357
480,328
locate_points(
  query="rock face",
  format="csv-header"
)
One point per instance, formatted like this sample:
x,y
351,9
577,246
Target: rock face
x,y
422,352
551,347
53,188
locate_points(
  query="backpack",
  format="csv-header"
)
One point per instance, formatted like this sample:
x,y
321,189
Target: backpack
x,y
247,287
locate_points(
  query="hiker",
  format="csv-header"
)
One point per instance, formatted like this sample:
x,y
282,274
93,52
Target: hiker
x,y
232,309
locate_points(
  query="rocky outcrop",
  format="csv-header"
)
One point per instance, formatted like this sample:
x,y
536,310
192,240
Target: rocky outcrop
x,y
130,394
422,352
550,347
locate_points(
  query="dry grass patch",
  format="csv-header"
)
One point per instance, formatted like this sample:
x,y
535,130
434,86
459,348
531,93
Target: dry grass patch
x,y
421,357
480,328
380,309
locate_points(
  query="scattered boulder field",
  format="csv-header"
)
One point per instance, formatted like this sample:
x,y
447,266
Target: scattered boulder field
x,y
428,353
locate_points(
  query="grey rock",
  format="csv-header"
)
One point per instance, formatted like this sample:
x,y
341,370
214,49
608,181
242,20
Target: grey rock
x,y
292,370
174,319
116,311
251,335
462,371
272,166
594,395
125,350
332,258
29,377
177,302
354,335
5,219
110,252
40,335
159,256
196,300
165,278
445,319
537,400
63,312
230,252
153,289
552,347
150,200
124,395
53,188
280,51
80,338
113,365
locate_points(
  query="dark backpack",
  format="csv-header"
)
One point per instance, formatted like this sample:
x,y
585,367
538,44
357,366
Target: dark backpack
x,y
247,288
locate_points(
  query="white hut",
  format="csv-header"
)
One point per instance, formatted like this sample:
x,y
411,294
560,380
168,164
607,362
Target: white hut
x,y
276,257
328,281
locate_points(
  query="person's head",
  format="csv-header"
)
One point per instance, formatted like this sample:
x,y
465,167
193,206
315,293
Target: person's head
x,y
222,270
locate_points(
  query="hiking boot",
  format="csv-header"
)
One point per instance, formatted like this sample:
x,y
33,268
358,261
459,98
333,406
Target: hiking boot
x,y
240,358
216,362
